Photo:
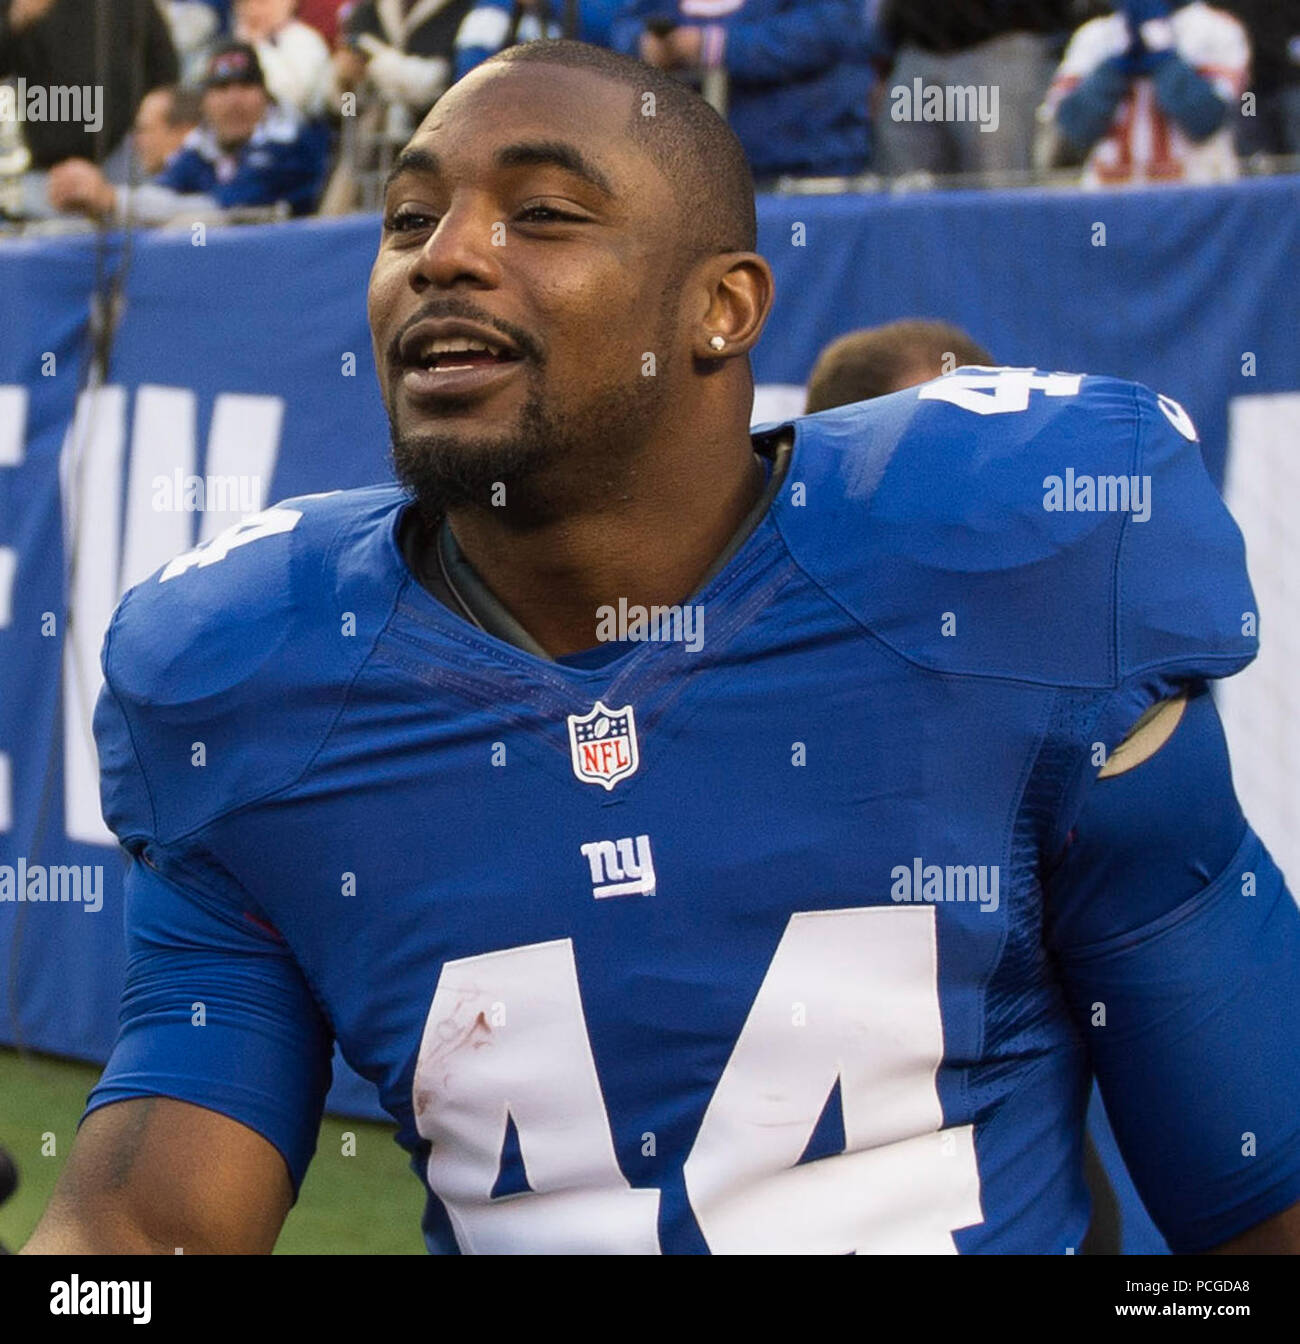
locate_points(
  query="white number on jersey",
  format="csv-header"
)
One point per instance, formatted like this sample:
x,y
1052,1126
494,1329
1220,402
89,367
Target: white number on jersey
x,y
506,1037
999,391
851,997
268,523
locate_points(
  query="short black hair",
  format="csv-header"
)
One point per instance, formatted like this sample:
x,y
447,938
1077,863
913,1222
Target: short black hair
x,y
686,139
879,360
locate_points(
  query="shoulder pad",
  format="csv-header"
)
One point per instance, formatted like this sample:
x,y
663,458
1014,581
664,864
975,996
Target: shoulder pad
x,y
1037,526
225,670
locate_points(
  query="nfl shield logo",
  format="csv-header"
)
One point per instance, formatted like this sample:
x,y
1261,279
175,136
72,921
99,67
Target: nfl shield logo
x,y
603,744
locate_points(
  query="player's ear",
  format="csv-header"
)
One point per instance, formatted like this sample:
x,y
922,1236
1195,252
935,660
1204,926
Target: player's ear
x,y
739,291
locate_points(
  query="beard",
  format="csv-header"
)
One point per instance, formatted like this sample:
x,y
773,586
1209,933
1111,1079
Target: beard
x,y
543,465
444,471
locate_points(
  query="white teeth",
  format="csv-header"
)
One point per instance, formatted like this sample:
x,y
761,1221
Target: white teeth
x,y
450,345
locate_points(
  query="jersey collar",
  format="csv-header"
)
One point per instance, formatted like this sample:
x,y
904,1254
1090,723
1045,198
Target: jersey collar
x,y
444,571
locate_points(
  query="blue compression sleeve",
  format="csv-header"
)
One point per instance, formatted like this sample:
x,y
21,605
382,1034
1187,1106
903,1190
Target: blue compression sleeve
x,y
1178,945
215,1012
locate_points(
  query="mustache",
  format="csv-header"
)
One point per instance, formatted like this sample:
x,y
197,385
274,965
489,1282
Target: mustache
x,y
468,313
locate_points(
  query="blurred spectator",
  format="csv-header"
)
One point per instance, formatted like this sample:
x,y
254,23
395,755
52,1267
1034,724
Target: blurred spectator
x,y
323,15
293,55
110,61
164,121
797,74
195,26
402,49
1274,29
1000,49
221,8
1145,93
248,152
875,361
494,24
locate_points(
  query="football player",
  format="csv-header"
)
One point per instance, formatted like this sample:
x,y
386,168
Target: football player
x,y
705,840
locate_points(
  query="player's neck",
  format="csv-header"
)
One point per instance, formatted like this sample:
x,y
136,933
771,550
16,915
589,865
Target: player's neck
x,y
649,542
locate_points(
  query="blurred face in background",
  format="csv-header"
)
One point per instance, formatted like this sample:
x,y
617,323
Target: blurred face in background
x,y
155,139
233,111
258,19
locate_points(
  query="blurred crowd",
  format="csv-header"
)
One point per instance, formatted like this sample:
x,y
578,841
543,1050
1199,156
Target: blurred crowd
x,y
153,111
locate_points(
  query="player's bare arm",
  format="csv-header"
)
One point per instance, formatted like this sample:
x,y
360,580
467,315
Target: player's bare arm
x,y
157,1176
1279,1235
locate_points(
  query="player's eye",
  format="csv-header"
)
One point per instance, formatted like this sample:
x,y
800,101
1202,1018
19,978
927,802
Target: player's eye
x,y
406,219
546,214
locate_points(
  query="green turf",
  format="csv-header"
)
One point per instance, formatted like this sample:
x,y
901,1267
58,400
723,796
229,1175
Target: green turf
x,y
365,1204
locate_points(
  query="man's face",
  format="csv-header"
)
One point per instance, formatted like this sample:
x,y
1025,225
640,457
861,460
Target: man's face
x,y
526,211
233,111
155,140
257,19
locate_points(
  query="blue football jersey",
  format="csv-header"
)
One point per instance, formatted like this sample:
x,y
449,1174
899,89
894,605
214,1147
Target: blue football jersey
x,y
732,944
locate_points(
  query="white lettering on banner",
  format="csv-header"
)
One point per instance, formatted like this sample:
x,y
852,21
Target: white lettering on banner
x,y
774,402
13,437
709,9
13,425
243,437
243,443
163,439
13,434
1260,485
91,475
8,568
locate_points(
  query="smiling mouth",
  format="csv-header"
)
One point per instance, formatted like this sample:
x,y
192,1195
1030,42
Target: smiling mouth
x,y
438,375
444,353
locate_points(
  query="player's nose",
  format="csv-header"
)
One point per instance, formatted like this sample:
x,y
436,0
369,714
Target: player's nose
x,y
461,247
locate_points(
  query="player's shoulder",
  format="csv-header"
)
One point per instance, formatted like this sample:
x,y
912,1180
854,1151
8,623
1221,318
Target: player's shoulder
x,y
976,434
250,639
1053,527
247,597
